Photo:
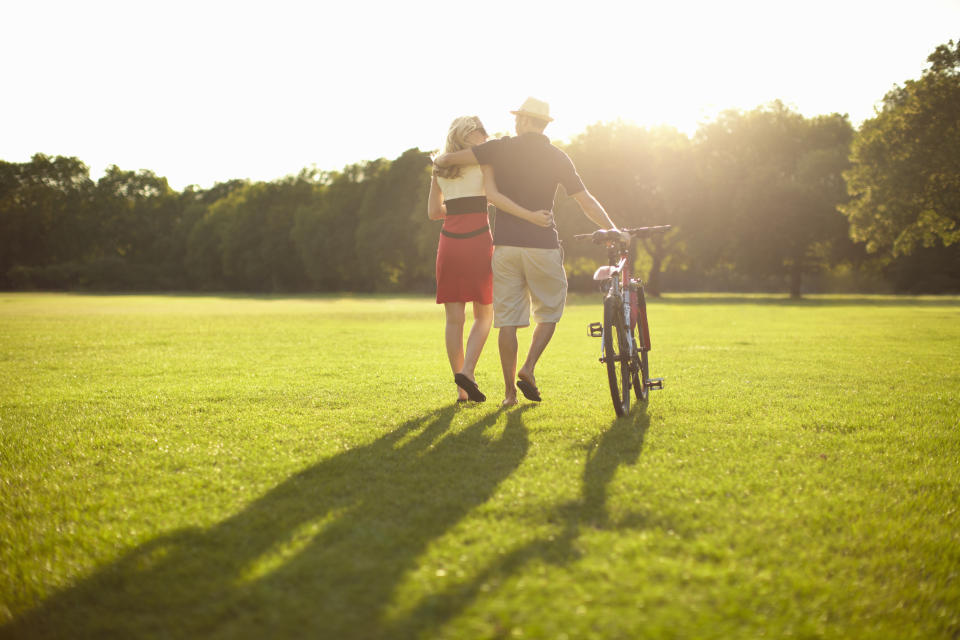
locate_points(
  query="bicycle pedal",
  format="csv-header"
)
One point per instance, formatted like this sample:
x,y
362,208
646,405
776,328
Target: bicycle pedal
x,y
654,384
596,330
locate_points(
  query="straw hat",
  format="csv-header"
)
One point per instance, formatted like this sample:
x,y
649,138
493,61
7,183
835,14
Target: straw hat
x,y
535,109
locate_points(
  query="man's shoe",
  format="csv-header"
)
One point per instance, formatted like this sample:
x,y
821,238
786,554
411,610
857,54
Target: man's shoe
x,y
529,390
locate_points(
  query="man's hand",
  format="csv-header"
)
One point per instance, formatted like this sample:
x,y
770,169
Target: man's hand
x,y
541,218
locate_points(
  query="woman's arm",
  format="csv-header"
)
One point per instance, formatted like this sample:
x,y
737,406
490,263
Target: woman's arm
x,y
542,218
435,208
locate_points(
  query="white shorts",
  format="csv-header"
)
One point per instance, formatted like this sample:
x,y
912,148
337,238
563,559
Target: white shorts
x,y
525,277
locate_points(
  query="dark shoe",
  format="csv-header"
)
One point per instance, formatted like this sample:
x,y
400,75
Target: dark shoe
x,y
470,387
529,390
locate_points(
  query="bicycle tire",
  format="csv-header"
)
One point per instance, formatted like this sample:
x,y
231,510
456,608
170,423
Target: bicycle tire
x,y
641,333
615,345
641,369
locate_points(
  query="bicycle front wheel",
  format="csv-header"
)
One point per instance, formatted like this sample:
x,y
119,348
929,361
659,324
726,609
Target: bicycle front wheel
x,y
616,354
641,368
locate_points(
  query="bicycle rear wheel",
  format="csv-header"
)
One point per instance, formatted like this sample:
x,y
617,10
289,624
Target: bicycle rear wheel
x,y
616,354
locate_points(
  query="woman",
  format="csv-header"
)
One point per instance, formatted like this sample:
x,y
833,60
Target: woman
x,y
458,196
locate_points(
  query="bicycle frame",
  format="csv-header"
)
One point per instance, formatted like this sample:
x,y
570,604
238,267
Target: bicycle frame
x,y
624,349
615,279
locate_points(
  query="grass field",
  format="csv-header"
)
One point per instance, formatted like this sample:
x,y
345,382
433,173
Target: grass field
x,y
236,467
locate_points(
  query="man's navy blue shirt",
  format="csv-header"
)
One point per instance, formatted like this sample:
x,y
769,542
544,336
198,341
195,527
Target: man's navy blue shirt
x,y
528,170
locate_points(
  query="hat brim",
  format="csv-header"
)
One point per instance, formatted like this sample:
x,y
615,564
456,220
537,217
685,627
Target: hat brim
x,y
530,114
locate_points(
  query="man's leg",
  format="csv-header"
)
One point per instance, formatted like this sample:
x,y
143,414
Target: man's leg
x,y
511,310
547,283
541,338
508,361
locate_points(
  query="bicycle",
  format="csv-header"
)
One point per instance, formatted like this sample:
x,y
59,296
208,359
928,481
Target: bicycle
x,y
624,350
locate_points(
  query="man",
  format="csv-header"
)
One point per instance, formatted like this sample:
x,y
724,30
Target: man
x,y
527,259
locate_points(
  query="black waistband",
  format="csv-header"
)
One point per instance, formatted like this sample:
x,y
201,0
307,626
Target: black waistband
x,y
470,204
469,234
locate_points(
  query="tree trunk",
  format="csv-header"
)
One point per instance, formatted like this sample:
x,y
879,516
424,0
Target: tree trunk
x,y
796,277
655,248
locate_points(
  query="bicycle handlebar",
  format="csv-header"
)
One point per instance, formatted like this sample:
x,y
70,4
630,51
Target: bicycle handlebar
x,y
646,232
609,235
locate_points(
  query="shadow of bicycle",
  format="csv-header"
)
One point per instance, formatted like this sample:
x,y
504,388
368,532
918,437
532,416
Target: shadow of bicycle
x,y
620,445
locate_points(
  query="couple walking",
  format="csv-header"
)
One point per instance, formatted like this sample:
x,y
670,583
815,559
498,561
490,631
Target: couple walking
x,y
520,265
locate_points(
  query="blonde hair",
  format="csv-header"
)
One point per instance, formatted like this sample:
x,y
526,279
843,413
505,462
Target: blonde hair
x,y
457,140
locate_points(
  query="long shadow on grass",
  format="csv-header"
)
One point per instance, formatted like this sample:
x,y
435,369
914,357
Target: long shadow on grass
x,y
619,445
318,556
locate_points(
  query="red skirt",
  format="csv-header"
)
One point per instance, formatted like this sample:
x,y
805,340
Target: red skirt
x,y
463,263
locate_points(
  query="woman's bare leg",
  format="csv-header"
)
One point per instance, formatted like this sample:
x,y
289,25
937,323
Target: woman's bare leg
x,y
453,336
482,321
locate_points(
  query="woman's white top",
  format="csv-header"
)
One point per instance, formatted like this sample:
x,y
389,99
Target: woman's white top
x,y
468,184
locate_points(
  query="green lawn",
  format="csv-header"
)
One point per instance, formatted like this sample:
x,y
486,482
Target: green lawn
x,y
244,467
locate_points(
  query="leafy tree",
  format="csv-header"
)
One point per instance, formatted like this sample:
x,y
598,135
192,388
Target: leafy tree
x,y
140,224
926,270
774,181
198,246
325,228
12,219
250,231
642,177
390,220
45,212
905,179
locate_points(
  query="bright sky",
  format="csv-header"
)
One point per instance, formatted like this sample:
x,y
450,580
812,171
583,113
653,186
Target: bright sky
x,y
205,91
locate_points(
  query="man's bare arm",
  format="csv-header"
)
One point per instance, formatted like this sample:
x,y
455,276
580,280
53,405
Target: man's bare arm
x,y
595,211
541,218
462,157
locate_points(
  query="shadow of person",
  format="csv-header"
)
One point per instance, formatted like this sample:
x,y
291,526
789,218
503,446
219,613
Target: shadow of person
x,y
317,556
621,444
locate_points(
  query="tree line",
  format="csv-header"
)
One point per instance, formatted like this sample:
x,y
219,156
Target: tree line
x,y
761,200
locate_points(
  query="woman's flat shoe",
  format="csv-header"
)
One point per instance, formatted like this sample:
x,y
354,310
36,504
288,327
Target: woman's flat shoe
x,y
470,387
